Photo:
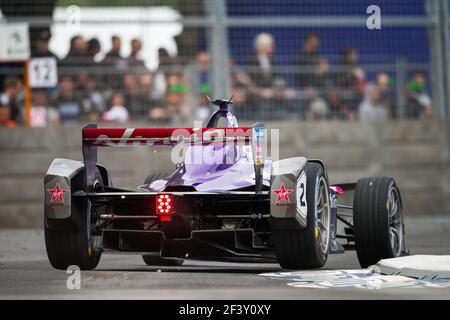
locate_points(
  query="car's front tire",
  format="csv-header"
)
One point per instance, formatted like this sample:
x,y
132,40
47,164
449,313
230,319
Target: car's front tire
x,y
378,220
308,248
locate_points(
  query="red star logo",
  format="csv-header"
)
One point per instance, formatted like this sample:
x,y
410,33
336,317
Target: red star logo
x,y
283,193
57,193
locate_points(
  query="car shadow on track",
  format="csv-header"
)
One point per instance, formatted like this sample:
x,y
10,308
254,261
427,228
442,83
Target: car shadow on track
x,y
198,269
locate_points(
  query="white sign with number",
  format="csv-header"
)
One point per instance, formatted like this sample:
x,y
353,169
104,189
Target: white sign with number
x,y
43,72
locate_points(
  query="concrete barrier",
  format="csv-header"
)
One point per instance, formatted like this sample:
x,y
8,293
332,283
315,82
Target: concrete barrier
x,y
415,153
417,266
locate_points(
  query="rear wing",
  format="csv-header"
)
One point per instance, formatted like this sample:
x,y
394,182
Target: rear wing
x,y
93,137
163,137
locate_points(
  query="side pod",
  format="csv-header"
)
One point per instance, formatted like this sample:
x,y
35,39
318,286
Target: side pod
x,y
63,178
288,186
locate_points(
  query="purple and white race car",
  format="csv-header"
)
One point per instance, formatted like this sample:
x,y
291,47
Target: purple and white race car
x,y
225,201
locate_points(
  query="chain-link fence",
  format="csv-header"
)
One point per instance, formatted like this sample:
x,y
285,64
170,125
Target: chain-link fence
x,y
280,60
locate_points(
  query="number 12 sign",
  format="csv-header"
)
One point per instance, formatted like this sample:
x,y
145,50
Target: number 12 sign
x,y
43,72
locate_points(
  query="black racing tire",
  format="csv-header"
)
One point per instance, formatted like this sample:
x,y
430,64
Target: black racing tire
x,y
374,220
152,260
302,249
74,247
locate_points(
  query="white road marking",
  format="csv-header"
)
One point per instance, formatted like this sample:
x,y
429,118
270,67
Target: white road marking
x,y
364,279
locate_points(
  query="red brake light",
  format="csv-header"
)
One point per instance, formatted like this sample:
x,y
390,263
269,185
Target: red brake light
x,y
164,206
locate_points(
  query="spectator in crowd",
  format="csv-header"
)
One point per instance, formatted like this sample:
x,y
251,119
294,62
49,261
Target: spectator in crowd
x,y
383,84
145,81
272,87
263,61
41,114
77,52
176,97
41,46
117,112
113,55
164,63
198,78
5,117
319,78
68,105
93,100
418,102
372,108
80,82
133,96
202,63
114,64
316,106
8,98
89,76
242,87
337,109
239,78
351,80
133,59
351,77
93,48
202,109
308,60
81,61
153,102
20,95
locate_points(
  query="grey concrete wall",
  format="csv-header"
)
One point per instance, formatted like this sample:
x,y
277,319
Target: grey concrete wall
x,y
415,153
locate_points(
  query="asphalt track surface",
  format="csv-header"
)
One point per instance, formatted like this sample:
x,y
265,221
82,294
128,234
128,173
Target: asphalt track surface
x,y
26,274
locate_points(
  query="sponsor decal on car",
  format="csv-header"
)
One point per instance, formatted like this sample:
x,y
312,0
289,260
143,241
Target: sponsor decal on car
x,y
283,195
302,205
164,136
57,194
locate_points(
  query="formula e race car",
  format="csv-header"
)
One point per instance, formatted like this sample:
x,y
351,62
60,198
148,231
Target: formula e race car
x,y
236,205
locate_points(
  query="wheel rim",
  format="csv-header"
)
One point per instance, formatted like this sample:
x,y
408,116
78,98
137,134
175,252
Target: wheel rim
x,y
395,219
322,214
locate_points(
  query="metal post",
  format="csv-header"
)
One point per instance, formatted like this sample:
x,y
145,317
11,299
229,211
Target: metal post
x,y
445,54
437,76
218,48
400,68
28,102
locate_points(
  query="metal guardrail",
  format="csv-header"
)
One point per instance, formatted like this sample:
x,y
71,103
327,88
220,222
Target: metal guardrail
x,y
217,23
264,21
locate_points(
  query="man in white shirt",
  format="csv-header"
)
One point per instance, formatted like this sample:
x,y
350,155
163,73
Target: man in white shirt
x,y
371,108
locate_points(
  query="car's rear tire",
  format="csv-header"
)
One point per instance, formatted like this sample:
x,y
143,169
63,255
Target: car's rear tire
x,y
80,246
153,260
308,248
378,220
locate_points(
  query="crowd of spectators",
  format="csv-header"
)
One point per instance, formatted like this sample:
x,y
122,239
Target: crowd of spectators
x,y
319,90
115,88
